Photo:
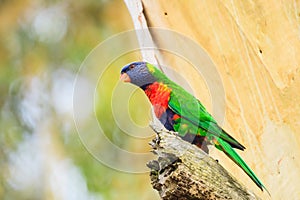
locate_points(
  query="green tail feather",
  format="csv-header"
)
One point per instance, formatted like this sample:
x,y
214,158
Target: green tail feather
x,y
231,153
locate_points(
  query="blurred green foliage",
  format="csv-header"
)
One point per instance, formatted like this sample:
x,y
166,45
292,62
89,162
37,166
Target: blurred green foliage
x,y
42,45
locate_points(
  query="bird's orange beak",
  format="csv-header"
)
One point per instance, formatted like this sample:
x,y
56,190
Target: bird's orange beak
x,y
125,78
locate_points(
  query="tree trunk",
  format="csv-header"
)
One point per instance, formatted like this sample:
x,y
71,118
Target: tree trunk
x,y
255,47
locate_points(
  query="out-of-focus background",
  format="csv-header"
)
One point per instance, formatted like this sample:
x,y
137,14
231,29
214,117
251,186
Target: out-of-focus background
x,y
43,44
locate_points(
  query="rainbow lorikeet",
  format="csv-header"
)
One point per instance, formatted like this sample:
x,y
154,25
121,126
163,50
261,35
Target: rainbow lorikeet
x,y
180,111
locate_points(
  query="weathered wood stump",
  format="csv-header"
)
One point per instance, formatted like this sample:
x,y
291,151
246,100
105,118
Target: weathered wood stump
x,y
183,171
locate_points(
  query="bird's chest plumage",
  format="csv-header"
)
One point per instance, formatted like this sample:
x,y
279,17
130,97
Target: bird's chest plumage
x,y
159,96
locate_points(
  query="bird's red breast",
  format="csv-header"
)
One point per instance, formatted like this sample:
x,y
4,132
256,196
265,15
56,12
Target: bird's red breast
x,y
159,96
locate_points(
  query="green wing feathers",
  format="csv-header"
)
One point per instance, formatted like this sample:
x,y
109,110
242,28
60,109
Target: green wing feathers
x,y
191,109
229,139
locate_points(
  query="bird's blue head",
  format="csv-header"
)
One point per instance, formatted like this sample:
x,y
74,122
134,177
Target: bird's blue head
x,y
137,73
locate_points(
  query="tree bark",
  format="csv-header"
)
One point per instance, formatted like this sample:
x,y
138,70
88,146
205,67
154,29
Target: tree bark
x,y
184,171
254,47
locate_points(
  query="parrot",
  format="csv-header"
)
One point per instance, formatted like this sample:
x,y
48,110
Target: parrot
x,y
181,112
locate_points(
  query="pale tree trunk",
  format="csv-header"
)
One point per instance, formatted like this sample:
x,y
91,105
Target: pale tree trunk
x,y
255,46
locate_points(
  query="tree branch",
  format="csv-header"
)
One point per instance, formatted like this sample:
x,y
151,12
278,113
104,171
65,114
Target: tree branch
x,y
184,171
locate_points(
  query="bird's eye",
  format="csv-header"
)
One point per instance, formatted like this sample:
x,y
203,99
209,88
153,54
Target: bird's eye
x,y
131,66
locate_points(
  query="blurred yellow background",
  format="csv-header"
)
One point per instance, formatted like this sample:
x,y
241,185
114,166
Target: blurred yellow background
x,y
43,44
